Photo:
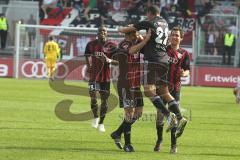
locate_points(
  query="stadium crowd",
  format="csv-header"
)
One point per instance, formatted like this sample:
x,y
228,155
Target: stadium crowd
x,y
115,13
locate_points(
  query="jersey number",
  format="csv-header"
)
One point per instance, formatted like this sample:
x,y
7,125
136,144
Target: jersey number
x,y
162,36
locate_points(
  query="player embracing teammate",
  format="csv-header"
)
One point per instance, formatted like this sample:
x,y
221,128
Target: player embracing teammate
x,y
156,66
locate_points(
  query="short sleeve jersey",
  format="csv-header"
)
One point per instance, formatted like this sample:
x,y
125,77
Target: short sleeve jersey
x,y
129,64
100,69
156,48
178,60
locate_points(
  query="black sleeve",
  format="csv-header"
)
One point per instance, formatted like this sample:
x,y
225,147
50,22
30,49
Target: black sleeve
x,y
142,25
186,62
111,49
124,46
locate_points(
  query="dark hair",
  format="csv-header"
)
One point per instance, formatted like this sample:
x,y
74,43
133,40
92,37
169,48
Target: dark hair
x,y
101,28
130,33
177,28
50,38
153,9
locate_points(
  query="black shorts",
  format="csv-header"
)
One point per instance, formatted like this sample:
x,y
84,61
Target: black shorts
x,y
155,73
129,97
102,87
137,97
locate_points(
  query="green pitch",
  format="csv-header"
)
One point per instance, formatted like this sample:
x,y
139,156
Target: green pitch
x,y
30,130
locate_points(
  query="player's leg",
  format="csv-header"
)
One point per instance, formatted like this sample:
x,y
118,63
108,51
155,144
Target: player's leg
x,y
150,78
236,92
127,123
125,128
173,107
238,95
52,68
124,102
136,96
94,105
48,65
173,149
104,94
159,128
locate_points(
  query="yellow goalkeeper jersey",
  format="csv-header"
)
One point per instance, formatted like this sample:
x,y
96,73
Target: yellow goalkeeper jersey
x,y
51,49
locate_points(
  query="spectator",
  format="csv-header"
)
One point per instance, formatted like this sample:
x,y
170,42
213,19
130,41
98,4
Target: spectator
x,y
233,28
211,42
31,31
65,3
77,4
51,4
219,41
91,5
184,8
208,5
3,30
229,45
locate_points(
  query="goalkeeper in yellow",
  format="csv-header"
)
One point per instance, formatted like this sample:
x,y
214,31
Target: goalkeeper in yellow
x,y
51,54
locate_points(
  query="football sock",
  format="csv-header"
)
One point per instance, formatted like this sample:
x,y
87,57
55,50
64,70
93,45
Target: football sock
x,y
127,134
158,103
121,128
159,132
173,137
94,108
103,112
173,107
125,124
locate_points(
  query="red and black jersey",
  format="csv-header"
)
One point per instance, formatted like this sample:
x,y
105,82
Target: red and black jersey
x,y
178,60
100,71
129,64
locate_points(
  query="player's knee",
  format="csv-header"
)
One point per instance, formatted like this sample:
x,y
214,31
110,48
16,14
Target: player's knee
x,y
104,95
104,102
93,101
92,94
137,115
128,117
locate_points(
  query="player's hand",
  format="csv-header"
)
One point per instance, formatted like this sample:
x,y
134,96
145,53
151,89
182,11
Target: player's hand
x,y
140,37
108,60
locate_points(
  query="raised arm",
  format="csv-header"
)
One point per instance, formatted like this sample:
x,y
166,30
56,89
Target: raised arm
x,y
136,48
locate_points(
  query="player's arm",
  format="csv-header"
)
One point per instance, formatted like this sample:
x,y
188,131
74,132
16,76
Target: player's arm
x,y
135,27
88,57
45,49
136,48
186,66
109,60
58,50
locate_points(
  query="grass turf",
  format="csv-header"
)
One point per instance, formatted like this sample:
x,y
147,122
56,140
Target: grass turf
x,y
30,130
